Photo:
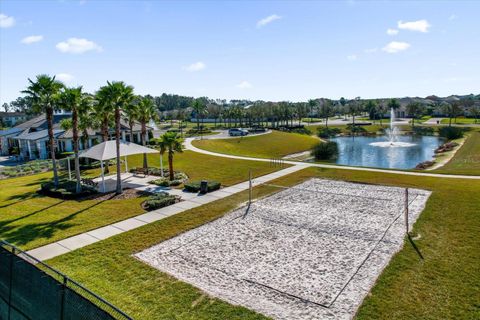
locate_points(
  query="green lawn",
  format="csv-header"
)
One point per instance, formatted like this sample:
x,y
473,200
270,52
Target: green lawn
x,y
273,145
461,121
467,159
29,220
442,285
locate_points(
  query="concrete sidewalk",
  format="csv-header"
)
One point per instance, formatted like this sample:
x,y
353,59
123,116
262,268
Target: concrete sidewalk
x,y
191,201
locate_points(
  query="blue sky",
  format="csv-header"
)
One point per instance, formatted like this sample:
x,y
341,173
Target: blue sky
x,y
257,50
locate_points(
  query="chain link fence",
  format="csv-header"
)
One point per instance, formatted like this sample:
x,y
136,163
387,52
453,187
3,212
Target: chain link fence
x,y
31,290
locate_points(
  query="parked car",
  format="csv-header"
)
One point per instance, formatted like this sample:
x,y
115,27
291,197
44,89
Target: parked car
x,y
234,132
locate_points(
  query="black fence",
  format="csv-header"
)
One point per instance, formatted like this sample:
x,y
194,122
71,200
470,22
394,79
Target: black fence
x,y
31,290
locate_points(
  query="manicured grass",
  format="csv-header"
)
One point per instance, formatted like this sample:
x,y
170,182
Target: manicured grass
x,y
30,220
273,145
442,285
461,121
467,159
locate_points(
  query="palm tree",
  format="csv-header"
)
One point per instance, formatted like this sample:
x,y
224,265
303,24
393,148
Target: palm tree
x,y
72,99
103,113
414,109
170,142
130,116
312,103
452,110
146,111
116,95
43,93
326,110
199,108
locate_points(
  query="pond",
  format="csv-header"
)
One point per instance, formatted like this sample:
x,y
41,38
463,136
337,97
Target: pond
x,y
405,153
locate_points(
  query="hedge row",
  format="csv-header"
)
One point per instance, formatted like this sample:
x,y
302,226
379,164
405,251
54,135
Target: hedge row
x,y
194,186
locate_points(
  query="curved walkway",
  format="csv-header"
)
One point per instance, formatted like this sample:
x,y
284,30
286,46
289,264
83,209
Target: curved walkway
x,y
190,146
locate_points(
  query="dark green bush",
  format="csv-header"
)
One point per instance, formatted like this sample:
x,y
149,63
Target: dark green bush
x,y
159,200
356,129
65,190
423,131
194,186
325,150
451,133
324,132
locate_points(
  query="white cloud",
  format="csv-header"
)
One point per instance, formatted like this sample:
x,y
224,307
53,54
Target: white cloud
x,y
452,17
419,25
352,57
64,77
77,46
395,46
194,67
371,50
392,32
31,39
244,85
6,21
263,22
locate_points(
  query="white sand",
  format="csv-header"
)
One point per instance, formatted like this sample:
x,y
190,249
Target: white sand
x,y
308,252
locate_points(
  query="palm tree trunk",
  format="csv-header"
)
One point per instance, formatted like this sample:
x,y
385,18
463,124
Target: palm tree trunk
x,y
78,187
144,138
105,139
131,132
170,165
117,144
326,122
51,142
198,123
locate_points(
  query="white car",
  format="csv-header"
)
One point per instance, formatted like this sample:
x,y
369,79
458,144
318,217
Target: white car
x,y
237,132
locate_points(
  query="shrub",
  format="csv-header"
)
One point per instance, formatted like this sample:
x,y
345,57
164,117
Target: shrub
x,y
65,190
160,182
356,129
194,186
301,131
160,200
325,132
325,150
423,131
451,133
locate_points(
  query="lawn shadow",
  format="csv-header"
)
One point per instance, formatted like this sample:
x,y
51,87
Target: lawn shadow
x,y
29,232
415,246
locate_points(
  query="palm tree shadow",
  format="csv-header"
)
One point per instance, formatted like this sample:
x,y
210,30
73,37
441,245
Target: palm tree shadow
x,y
414,246
30,232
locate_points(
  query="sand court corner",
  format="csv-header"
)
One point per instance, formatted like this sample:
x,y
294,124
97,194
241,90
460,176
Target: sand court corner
x,y
312,251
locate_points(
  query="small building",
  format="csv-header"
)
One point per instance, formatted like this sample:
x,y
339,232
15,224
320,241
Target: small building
x,y
10,119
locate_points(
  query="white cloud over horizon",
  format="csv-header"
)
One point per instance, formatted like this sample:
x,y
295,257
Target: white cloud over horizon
x,y
352,57
78,46
6,21
195,67
419,25
396,46
64,77
392,32
244,85
263,22
32,39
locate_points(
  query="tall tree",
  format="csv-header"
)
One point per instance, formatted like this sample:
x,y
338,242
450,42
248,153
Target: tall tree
x,y
452,110
474,112
117,95
171,143
326,110
146,111
74,100
130,114
199,107
415,109
312,103
43,93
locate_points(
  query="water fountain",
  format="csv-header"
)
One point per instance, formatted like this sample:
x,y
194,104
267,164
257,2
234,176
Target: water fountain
x,y
392,134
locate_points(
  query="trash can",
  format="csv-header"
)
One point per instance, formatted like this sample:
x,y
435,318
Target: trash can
x,y
203,186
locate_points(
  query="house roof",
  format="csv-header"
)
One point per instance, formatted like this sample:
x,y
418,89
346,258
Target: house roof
x,y
36,135
12,114
40,122
68,134
9,131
